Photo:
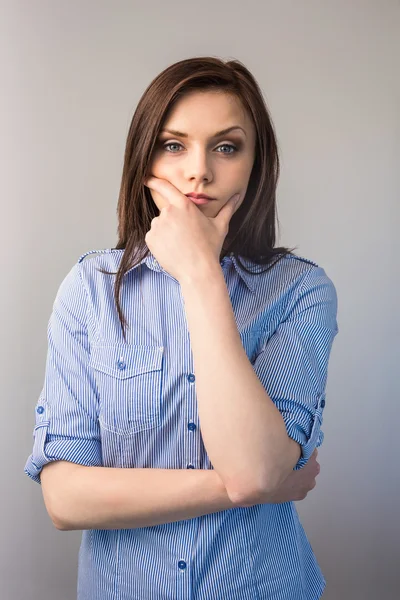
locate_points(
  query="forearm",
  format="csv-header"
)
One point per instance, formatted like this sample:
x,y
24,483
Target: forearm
x,y
123,498
243,431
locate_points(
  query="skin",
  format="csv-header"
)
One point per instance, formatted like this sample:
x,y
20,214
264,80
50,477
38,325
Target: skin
x,y
200,162
200,165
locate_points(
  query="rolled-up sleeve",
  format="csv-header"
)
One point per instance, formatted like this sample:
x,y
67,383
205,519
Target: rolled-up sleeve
x,y
66,412
293,363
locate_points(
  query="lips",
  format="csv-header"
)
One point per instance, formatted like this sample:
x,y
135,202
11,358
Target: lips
x,y
199,196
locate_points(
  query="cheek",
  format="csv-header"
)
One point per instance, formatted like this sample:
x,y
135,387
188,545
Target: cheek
x,y
156,169
238,173
160,166
244,170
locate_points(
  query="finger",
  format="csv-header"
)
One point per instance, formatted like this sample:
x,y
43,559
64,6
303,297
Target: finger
x,y
167,190
225,214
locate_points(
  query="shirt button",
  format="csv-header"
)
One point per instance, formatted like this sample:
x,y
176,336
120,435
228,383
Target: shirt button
x,y
322,403
40,410
192,426
121,364
190,466
191,377
182,564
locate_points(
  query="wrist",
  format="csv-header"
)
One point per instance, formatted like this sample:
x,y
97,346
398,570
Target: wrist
x,y
202,275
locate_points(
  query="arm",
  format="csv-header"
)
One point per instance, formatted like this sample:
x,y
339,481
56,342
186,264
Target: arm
x,y
103,498
243,431
80,497
254,438
295,487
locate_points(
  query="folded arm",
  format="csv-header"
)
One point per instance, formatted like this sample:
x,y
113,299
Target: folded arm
x,y
80,497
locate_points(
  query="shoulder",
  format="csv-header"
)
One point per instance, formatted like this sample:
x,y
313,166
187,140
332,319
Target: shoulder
x,y
289,273
301,272
310,287
92,261
90,254
84,277
289,278
299,263
286,276
87,273
295,280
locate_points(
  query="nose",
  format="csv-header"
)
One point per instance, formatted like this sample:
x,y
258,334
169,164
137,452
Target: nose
x,y
198,166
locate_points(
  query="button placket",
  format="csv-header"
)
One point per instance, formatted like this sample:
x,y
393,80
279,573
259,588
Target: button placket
x,y
191,426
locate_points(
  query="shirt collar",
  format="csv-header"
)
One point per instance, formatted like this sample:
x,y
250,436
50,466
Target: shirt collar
x,y
151,262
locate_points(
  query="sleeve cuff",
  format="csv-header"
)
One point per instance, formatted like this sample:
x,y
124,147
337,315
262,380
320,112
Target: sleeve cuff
x,y
308,441
80,451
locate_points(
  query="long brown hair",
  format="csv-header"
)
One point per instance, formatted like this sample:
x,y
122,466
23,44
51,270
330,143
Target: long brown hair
x,y
252,228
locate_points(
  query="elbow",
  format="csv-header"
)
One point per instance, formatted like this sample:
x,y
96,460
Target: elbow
x,y
254,496
242,499
247,493
263,489
259,492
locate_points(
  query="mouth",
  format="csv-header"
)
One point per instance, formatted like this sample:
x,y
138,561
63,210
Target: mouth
x,y
200,198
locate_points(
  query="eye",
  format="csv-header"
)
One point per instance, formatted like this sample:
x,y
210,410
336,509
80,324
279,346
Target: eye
x,y
231,146
171,144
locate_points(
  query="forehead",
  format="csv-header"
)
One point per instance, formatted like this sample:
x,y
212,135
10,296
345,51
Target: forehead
x,y
207,111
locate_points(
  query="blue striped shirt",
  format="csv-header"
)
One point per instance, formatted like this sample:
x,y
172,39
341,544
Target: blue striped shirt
x,y
110,402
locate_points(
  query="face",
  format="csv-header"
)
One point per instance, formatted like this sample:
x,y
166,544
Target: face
x,y
201,161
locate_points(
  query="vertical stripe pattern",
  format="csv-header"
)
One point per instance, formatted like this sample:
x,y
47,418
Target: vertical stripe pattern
x,y
110,402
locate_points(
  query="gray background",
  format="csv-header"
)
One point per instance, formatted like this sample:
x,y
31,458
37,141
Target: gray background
x,y
71,76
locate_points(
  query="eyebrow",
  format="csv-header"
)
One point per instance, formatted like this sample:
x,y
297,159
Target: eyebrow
x,y
223,132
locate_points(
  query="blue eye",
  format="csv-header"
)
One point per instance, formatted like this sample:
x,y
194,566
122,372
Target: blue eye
x,y
228,146
232,146
171,144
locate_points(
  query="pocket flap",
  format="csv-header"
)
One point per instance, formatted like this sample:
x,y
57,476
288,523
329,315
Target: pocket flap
x,y
126,360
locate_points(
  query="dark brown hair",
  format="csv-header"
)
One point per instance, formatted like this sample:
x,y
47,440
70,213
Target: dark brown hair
x,y
252,228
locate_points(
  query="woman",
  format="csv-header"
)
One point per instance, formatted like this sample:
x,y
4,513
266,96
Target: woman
x,y
185,382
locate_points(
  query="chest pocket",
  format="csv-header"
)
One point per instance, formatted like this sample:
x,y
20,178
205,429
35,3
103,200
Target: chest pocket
x,y
129,380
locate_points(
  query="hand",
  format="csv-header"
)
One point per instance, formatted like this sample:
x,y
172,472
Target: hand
x,y
297,485
182,238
